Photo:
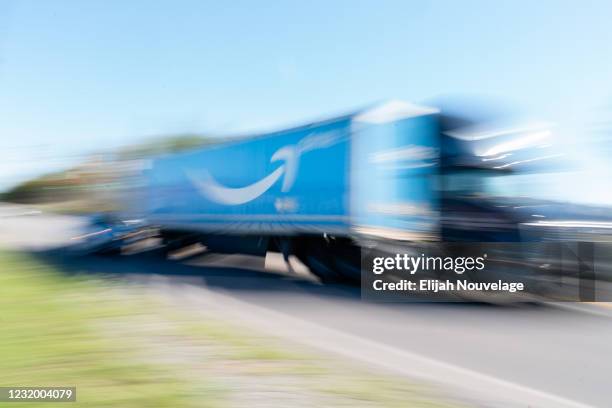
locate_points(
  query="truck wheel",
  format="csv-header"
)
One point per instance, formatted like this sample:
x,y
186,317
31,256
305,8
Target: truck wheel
x,y
323,269
318,257
347,259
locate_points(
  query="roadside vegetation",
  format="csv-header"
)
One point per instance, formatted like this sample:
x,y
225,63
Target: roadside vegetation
x,y
48,338
121,346
90,185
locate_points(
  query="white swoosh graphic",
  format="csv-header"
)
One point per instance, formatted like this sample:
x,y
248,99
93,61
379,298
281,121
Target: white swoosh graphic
x,y
209,187
290,154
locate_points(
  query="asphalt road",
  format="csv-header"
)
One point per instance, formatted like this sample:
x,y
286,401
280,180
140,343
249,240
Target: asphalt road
x,y
529,355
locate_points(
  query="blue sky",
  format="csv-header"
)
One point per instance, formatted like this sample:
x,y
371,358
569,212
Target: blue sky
x,y
80,76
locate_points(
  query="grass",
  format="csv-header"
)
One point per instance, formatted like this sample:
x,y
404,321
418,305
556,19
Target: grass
x,y
337,383
121,347
48,338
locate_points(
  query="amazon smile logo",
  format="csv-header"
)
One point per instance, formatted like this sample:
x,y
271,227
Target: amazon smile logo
x,y
290,155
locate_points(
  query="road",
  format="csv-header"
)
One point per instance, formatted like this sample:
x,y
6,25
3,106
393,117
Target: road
x,y
528,355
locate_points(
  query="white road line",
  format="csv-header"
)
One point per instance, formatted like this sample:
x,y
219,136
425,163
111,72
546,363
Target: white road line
x,y
482,388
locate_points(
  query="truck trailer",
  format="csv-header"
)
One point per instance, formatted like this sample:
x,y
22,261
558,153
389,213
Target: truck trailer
x,y
393,177
314,191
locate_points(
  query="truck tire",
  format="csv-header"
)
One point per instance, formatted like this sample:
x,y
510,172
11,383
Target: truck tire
x,y
324,260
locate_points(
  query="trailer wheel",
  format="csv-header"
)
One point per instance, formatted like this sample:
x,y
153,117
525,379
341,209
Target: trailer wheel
x,y
331,260
323,269
347,258
313,253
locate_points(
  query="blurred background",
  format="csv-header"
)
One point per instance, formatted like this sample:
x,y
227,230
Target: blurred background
x,y
95,94
80,80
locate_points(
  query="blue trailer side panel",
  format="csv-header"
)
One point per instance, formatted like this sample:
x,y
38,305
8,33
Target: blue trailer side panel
x,y
394,168
370,173
293,181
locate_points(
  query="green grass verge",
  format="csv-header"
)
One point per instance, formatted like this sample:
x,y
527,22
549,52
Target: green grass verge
x,y
48,338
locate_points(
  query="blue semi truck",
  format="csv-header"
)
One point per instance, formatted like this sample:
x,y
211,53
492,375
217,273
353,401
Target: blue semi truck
x,y
313,191
390,174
